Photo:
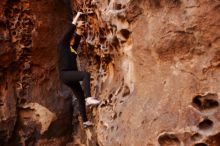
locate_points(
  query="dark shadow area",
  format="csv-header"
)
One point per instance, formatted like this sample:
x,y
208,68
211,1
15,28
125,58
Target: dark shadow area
x,y
168,140
125,33
205,102
205,124
201,144
196,137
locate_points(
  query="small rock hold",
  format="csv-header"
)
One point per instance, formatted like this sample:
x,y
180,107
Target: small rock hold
x,y
114,115
27,65
1,103
117,6
196,137
126,91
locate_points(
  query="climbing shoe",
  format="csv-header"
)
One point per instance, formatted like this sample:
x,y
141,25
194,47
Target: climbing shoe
x,y
92,101
87,124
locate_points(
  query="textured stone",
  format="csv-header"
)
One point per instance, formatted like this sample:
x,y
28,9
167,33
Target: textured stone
x,y
161,81
154,65
37,113
29,73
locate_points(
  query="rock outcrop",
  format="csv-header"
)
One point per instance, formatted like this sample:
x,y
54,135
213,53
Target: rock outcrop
x,y
154,64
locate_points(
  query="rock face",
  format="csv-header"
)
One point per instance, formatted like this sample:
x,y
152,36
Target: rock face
x,y
161,84
154,64
33,103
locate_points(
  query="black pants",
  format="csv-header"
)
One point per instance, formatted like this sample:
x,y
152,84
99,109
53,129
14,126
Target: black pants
x,y
71,78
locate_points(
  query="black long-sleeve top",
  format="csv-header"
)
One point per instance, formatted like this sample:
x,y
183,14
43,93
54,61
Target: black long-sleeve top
x,y
67,60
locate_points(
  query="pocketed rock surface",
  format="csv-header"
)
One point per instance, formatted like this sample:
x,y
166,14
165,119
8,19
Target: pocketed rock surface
x,y
155,66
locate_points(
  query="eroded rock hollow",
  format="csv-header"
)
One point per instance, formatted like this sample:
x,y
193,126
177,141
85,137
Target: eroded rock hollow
x,y
154,64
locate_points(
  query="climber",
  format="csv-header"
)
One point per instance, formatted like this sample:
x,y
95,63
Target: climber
x,y
68,69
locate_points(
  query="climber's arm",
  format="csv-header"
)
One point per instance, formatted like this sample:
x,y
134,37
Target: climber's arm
x,y
78,29
77,25
70,31
76,18
78,33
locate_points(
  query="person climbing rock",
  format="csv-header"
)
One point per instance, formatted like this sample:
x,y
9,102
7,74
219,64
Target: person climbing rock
x,y
69,73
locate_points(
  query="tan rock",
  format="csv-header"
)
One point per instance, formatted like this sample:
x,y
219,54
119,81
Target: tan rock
x,y
38,113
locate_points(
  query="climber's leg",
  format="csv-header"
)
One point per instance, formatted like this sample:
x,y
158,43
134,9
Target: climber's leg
x,y
74,76
78,92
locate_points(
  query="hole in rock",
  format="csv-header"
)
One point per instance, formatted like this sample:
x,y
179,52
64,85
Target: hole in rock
x,y
126,91
117,6
196,137
168,140
155,3
102,39
125,33
176,2
1,103
205,124
208,101
110,98
122,42
112,128
119,114
107,59
102,31
28,23
201,144
26,51
13,33
115,41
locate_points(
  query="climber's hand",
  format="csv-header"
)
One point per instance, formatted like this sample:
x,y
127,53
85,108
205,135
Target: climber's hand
x,y
80,24
76,17
79,13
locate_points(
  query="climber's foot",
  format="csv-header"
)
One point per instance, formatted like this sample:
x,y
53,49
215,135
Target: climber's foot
x,y
87,124
92,101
